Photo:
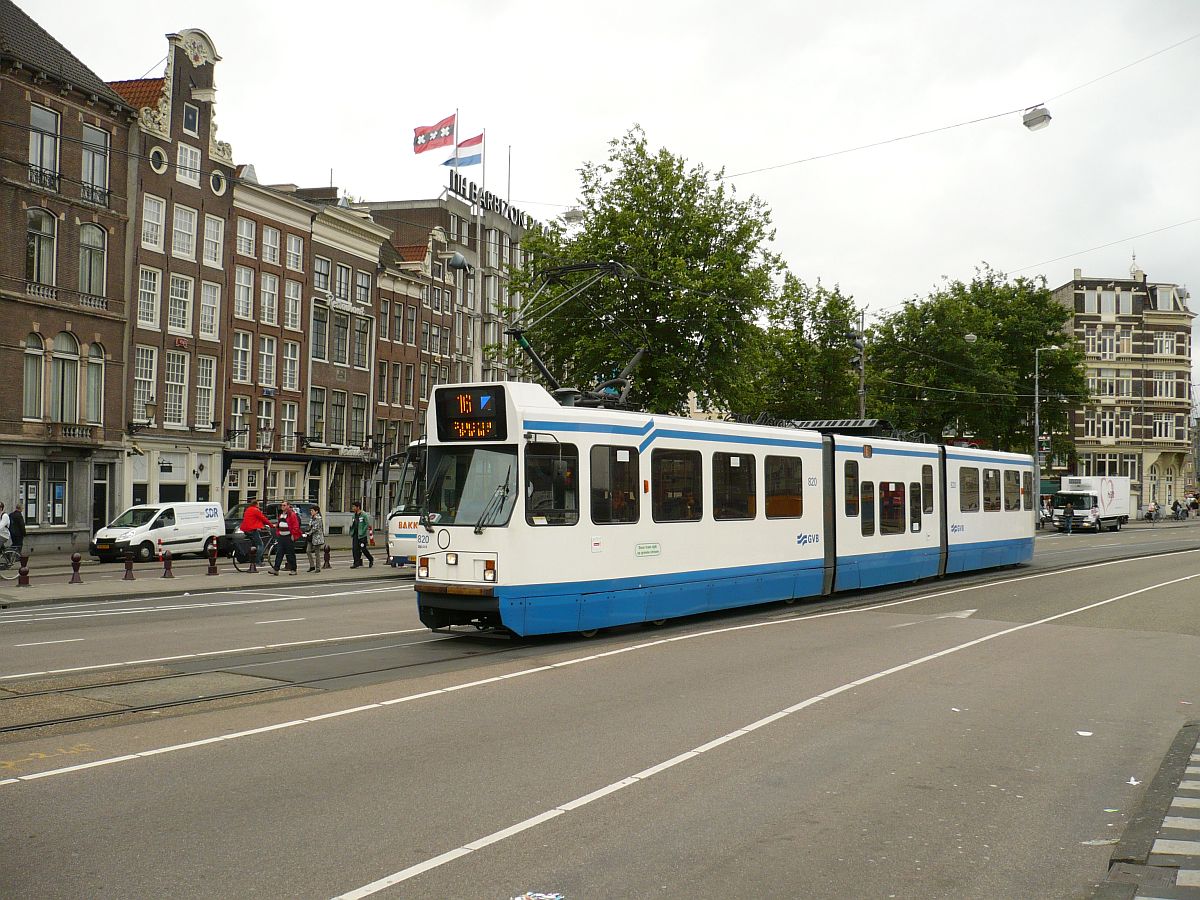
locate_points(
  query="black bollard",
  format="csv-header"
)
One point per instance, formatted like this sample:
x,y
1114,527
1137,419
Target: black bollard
x,y
166,557
76,559
327,565
128,576
212,560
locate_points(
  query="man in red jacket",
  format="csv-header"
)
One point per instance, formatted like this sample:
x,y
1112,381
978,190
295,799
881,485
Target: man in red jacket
x,y
253,522
287,531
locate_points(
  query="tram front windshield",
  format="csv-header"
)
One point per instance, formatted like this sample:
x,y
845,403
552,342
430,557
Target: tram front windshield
x,y
411,499
471,485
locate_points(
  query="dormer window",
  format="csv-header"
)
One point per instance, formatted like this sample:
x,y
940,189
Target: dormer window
x,y
191,120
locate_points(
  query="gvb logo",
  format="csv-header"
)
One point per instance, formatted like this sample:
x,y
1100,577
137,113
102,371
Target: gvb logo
x,y
808,539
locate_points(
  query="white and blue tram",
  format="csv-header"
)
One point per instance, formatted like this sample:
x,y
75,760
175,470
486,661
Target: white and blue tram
x,y
544,518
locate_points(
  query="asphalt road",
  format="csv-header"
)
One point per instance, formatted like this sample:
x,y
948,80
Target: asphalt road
x,y
983,737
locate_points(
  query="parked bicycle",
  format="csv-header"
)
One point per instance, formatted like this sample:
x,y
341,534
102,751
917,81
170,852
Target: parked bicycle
x,y
10,564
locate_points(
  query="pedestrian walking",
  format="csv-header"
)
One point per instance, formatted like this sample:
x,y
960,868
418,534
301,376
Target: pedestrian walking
x,y
286,531
5,529
359,529
254,522
16,527
1068,514
316,538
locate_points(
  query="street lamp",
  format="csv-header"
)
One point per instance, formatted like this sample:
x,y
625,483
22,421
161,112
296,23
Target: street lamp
x,y
1036,117
1037,432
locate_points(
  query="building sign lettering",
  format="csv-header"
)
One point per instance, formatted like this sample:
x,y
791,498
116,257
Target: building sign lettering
x,y
471,192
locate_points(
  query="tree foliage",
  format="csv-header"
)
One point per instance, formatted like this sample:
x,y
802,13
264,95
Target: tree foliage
x,y
925,374
807,371
702,275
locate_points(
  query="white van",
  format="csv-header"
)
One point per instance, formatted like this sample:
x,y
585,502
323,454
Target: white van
x,y
146,530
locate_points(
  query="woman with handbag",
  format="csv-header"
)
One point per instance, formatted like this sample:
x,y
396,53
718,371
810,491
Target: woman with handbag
x,y
316,538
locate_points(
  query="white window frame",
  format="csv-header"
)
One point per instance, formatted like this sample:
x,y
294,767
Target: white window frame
x,y
270,244
196,109
268,286
209,322
267,350
319,276
242,351
295,253
188,171
184,248
179,305
290,369
243,293
247,230
175,388
293,304
214,241
206,388
153,227
151,322
145,378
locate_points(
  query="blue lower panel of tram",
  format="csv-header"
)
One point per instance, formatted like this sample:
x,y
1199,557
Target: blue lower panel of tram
x,y
875,569
988,554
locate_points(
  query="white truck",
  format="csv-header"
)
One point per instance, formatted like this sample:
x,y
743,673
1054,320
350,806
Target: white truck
x,y
1108,494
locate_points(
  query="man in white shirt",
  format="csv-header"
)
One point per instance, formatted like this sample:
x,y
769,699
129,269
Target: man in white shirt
x,y
5,533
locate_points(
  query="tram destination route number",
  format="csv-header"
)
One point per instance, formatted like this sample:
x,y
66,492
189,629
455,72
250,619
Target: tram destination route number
x,y
471,414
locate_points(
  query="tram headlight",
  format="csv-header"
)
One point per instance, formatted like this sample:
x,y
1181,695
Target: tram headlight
x,y
489,570
423,567
452,559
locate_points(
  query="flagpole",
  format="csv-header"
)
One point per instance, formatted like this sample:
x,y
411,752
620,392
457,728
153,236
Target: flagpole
x,y
508,197
456,140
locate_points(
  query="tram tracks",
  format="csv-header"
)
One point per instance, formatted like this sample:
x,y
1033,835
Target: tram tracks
x,y
99,698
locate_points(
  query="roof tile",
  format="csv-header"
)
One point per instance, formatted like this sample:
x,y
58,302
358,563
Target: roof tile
x,y
139,92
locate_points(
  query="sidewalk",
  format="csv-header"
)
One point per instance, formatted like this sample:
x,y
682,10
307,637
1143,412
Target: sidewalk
x,y
50,575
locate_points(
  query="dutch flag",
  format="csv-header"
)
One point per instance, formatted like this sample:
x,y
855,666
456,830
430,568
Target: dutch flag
x,y
470,152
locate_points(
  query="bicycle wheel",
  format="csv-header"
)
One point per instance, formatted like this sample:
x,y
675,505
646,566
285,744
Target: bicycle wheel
x,y
10,564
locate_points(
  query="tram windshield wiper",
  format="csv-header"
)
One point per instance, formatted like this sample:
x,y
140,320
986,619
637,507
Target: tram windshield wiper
x,y
495,504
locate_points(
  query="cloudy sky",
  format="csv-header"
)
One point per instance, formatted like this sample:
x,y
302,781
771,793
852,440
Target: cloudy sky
x,y
305,88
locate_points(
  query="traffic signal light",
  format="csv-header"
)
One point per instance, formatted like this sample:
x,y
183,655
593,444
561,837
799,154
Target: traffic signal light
x,y
1043,443
859,359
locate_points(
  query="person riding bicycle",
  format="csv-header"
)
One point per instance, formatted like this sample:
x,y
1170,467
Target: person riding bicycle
x,y
253,523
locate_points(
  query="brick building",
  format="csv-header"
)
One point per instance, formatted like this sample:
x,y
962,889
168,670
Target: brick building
x,y
64,206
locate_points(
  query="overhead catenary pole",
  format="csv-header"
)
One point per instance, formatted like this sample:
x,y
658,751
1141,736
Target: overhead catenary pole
x,y
862,365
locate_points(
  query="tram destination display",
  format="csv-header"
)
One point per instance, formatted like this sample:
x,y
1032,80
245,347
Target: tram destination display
x,y
471,414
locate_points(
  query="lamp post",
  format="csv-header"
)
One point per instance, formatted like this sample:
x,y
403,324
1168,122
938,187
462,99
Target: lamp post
x,y
1037,433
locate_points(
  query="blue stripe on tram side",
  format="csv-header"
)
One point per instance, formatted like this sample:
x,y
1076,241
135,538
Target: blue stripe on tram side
x,y
988,554
584,605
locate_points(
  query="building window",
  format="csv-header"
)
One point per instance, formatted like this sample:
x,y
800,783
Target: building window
x,y
243,293
214,241
381,395
175,369
145,373
287,439
269,309
179,305
341,288
149,304
266,360
188,168
266,426
358,419
239,413
94,394
341,338
362,287
183,236
1164,424
94,188
245,236
295,253
397,322
241,356
270,244
210,310
53,478
41,229
362,339
191,119
34,376
410,328
292,291
408,385
337,417
320,331
154,214
206,380
1108,423
1164,384
322,269
64,379
291,366
397,376
43,147
93,264
316,415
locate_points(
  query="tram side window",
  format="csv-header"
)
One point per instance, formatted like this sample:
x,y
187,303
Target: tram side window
x,y
678,482
991,490
1027,489
785,487
868,508
551,486
914,504
734,486
926,490
852,488
614,485
891,507
1012,490
968,490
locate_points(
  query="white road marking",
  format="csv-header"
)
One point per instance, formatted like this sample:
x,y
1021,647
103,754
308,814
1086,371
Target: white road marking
x,y
277,621
254,649
44,643
1186,822
1187,847
659,643
961,614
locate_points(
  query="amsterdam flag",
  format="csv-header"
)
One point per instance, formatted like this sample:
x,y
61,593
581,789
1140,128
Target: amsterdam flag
x,y
430,137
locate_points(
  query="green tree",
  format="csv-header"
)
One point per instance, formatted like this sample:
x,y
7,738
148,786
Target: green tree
x,y
701,276
807,371
926,373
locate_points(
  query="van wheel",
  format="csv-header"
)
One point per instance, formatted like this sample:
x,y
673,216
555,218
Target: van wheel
x,y
145,552
209,543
